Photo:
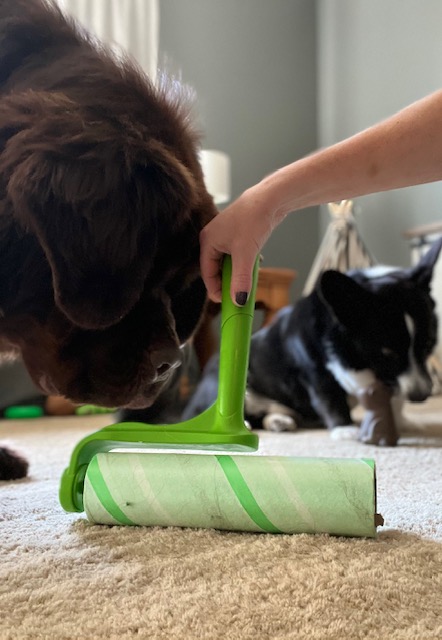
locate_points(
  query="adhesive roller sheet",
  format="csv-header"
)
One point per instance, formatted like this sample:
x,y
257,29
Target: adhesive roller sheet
x,y
238,493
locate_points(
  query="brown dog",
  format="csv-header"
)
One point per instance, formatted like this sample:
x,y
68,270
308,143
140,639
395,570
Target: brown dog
x,y
101,203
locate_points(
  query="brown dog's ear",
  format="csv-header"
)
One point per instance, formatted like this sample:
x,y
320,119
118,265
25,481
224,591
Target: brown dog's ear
x,y
96,193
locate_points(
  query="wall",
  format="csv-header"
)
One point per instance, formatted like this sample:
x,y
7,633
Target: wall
x,y
274,80
375,57
252,64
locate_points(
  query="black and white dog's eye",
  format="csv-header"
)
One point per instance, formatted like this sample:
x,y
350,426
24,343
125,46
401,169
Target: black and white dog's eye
x,y
386,351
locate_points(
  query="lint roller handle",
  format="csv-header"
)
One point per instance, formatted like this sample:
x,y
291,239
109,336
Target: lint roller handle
x,y
236,332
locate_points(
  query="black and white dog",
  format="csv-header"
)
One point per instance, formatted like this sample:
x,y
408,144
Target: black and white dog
x,y
352,330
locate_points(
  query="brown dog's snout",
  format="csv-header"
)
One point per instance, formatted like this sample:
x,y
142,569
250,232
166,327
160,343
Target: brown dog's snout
x,y
164,361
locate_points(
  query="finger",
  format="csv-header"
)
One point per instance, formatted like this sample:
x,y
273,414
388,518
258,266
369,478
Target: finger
x,y
210,265
241,284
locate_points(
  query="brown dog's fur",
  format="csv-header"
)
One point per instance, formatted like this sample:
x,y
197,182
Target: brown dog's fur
x,y
101,203
102,200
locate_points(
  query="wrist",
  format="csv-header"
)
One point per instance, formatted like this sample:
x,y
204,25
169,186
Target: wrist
x,y
276,197
266,202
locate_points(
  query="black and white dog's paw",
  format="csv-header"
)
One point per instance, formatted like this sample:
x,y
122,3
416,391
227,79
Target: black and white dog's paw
x,y
345,432
278,422
274,416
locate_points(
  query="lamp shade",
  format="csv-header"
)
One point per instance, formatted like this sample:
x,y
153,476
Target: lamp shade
x,y
216,170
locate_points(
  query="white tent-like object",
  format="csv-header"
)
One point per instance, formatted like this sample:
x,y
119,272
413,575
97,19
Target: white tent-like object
x,y
342,247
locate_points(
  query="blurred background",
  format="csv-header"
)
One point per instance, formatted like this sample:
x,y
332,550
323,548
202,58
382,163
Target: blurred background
x,y
274,81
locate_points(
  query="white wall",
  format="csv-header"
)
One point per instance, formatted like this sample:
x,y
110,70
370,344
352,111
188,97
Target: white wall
x,y
375,57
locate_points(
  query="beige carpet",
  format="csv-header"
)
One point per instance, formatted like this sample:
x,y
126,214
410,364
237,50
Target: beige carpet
x,y
63,578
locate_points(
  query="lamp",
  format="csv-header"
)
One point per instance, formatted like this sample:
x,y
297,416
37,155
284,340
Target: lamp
x,y
216,170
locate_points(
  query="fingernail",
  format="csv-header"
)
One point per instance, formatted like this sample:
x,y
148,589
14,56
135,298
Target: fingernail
x,y
241,298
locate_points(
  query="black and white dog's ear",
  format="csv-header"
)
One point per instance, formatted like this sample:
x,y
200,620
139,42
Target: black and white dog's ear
x,y
348,302
422,273
99,198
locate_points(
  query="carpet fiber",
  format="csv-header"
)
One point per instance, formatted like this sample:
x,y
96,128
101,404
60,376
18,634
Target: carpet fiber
x,y
61,577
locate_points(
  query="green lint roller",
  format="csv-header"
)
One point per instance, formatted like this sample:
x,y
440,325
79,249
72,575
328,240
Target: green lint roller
x,y
203,474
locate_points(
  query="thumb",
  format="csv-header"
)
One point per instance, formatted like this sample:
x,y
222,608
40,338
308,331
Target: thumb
x,y
241,283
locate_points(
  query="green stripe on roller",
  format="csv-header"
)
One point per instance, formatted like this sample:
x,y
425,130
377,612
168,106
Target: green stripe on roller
x,y
244,495
104,495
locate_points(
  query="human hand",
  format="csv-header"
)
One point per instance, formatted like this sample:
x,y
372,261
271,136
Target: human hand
x,y
241,231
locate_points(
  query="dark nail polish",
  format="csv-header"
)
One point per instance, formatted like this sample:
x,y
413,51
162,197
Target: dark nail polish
x,y
241,298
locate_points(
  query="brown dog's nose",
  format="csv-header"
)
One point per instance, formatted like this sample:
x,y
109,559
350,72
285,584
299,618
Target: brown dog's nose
x,y
164,361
